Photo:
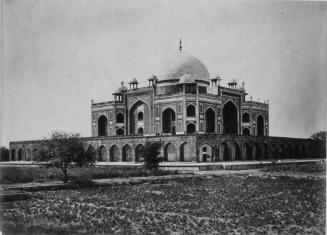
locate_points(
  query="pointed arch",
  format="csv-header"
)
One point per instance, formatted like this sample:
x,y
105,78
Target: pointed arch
x,y
237,152
190,129
120,118
258,152
120,131
245,117
13,155
139,116
138,152
246,131
168,121
207,153
170,154
230,123
190,110
210,118
102,125
185,152
28,154
127,154
102,156
20,154
247,151
225,152
114,153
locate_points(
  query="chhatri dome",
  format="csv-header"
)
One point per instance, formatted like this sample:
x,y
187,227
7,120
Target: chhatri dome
x,y
183,64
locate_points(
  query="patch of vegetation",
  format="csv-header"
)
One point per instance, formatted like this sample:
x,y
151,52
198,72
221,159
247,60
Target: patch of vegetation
x,y
223,205
317,167
11,175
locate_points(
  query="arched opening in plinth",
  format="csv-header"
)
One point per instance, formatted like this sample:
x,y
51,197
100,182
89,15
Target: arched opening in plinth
x,y
290,153
297,152
20,155
207,153
102,154
237,152
28,154
139,152
225,152
168,121
114,153
127,154
230,123
185,152
303,151
258,152
170,154
13,152
247,151
210,117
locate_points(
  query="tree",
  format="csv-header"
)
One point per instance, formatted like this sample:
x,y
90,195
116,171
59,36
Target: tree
x,y
4,154
150,155
65,151
321,135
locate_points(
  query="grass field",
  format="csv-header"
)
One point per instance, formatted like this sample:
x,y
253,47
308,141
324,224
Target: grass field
x,y
221,205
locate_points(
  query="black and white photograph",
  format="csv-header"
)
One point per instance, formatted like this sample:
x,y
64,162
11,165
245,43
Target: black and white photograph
x,y
163,117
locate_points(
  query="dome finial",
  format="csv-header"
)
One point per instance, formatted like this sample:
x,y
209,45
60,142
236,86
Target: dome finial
x,y
180,44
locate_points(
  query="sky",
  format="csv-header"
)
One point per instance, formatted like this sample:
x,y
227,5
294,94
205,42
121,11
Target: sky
x,y
57,55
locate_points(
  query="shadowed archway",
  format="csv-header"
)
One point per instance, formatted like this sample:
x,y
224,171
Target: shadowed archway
x,y
210,117
102,126
168,121
230,123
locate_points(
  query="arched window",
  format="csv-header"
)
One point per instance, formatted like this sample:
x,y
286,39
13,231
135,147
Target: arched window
x,y
190,111
190,128
140,131
120,118
246,117
140,116
102,126
120,131
246,131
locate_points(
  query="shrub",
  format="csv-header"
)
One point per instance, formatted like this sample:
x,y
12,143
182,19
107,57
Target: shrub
x,y
150,155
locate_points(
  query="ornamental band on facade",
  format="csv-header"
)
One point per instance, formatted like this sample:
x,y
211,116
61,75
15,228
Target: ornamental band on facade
x,y
191,114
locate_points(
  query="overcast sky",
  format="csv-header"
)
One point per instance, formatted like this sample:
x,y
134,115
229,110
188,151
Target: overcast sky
x,y
59,54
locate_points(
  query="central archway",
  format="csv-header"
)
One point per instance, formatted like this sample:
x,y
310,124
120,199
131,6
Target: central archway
x,y
168,121
230,118
20,154
210,121
139,115
102,126
28,154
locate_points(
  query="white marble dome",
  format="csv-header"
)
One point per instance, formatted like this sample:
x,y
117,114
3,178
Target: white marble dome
x,y
184,64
